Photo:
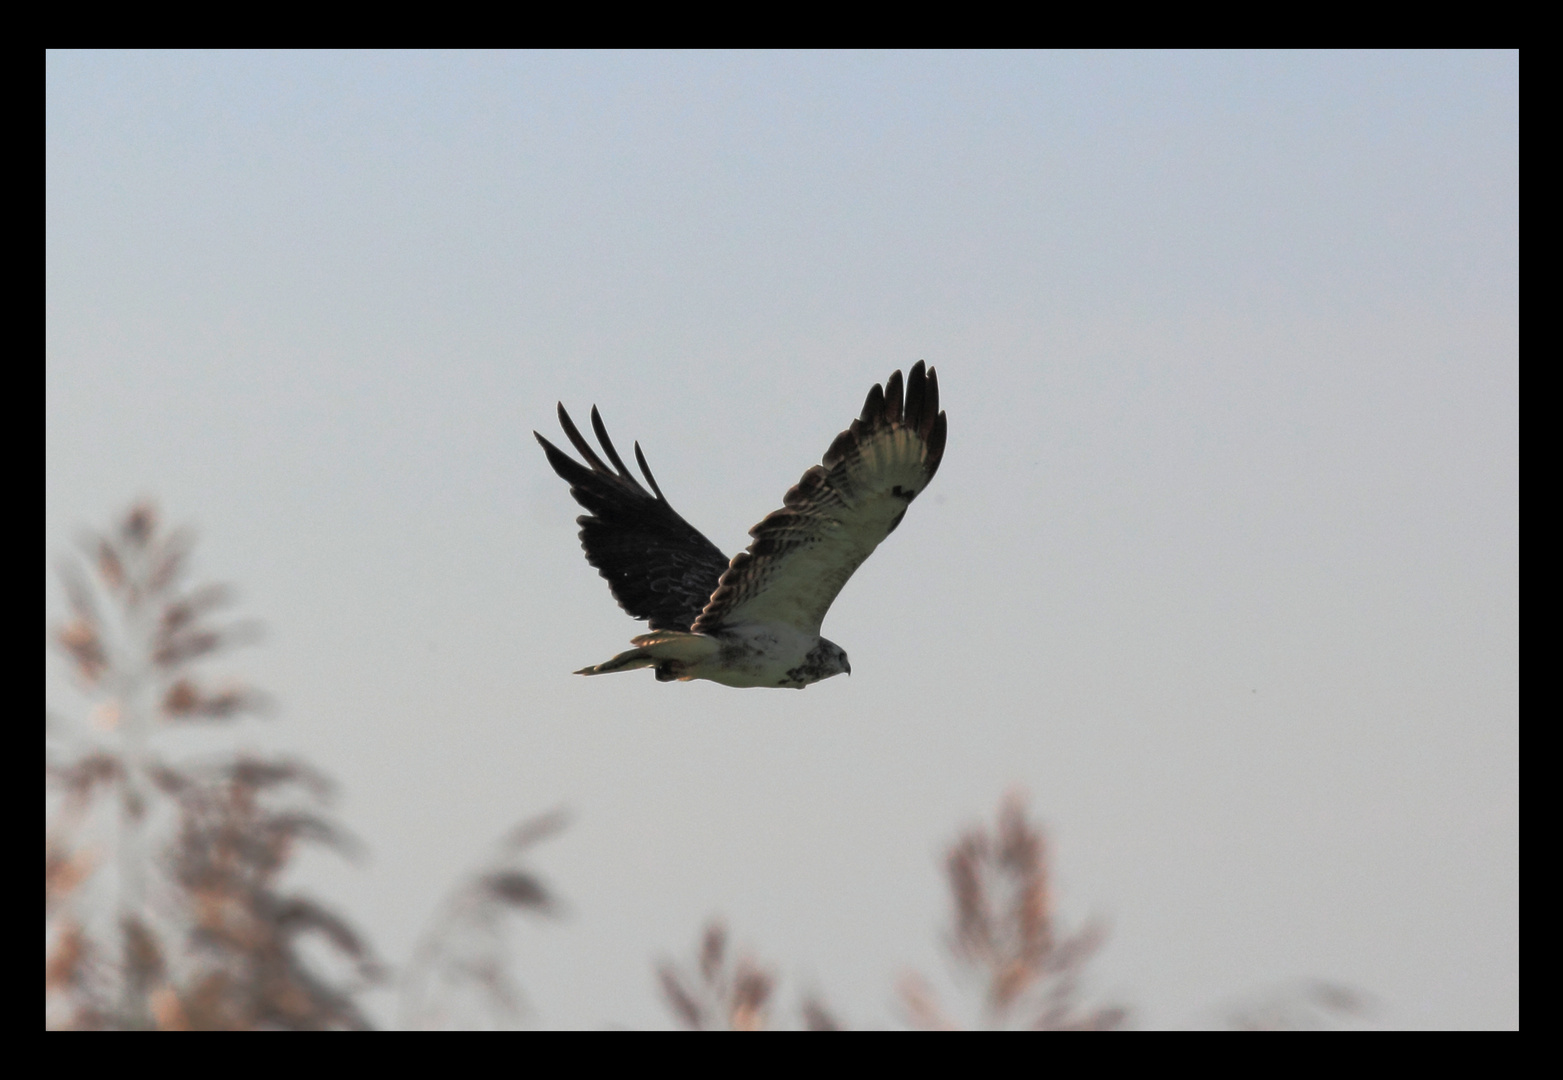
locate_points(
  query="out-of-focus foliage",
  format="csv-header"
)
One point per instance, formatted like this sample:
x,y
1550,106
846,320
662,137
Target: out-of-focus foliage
x,y
188,856
1007,935
164,881
1005,939
460,974
723,993
1303,1005
165,905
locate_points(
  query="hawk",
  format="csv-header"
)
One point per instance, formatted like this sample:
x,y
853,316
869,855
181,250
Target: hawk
x,y
754,619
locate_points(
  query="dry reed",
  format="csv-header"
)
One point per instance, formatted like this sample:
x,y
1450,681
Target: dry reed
x,y
188,855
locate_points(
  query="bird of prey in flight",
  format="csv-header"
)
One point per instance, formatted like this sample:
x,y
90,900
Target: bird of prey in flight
x,y
753,620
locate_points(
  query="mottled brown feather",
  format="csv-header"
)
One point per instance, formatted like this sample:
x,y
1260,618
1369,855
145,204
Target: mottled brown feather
x,y
838,512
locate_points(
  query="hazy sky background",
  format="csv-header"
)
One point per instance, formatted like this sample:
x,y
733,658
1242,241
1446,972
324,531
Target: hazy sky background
x,y
1221,565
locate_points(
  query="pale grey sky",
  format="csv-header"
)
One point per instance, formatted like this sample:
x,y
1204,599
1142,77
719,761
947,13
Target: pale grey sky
x,y
1221,565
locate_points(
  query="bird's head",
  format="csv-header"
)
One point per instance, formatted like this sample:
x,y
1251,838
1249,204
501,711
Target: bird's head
x,y
833,659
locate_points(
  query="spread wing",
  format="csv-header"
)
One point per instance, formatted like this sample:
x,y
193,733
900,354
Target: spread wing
x,y
837,514
658,565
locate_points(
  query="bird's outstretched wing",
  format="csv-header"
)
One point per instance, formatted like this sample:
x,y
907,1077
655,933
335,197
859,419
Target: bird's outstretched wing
x,y
658,565
837,514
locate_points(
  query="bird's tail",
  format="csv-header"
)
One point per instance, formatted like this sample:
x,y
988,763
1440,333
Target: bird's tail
x,y
674,653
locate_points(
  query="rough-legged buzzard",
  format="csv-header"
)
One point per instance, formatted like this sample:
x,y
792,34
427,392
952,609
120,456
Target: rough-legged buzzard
x,y
753,620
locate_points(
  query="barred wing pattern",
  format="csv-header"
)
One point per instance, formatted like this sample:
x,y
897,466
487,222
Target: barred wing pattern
x,y
659,566
837,514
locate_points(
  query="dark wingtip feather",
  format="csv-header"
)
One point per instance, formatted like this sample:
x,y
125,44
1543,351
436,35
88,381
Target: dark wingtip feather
x,y
873,406
549,449
930,403
839,448
567,467
579,441
935,439
607,444
892,411
658,566
645,470
916,382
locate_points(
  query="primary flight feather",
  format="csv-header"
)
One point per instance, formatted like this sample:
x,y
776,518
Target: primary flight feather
x,y
753,620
